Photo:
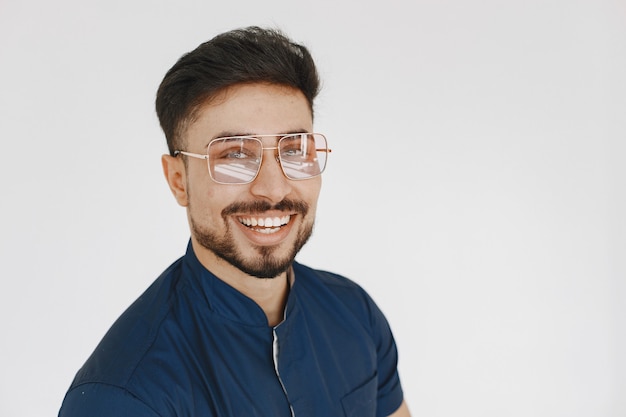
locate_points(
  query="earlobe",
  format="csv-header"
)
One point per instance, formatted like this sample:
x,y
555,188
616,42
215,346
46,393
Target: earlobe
x,y
174,170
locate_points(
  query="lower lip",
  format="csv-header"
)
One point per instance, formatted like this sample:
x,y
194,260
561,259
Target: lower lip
x,y
266,238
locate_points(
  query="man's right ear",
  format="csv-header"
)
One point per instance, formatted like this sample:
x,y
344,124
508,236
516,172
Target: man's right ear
x,y
174,170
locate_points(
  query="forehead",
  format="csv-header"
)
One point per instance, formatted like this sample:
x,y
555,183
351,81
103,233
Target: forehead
x,y
251,109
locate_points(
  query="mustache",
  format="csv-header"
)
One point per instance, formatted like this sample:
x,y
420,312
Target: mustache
x,y
260,206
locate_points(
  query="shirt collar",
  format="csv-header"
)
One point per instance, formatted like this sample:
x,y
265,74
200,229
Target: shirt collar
x,y
221,298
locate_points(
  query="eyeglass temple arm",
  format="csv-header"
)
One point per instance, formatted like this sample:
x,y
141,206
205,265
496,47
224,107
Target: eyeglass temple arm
x,y
193,155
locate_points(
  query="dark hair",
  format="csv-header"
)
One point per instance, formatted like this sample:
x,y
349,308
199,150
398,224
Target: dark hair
x,y
245,55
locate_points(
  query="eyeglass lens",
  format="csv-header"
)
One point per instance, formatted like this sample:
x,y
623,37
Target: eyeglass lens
x,y
237,160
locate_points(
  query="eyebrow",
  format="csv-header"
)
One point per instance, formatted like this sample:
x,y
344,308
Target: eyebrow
x,y
228,134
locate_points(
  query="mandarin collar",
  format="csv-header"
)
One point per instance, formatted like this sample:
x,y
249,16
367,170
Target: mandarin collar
x,y
223,299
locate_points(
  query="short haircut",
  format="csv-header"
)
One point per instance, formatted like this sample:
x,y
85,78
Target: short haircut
x,y
241,56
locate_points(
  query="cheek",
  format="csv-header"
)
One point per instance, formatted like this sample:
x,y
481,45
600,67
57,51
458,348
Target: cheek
x,y
311,191
209,199
202,195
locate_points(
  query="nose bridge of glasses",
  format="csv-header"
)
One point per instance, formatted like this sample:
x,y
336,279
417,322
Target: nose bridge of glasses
x,y
274,150
269,148
273,140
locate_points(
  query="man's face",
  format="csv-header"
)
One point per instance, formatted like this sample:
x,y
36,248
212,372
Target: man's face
x,y
226,219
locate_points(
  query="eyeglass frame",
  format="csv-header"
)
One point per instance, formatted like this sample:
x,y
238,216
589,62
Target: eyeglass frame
x,y
280,137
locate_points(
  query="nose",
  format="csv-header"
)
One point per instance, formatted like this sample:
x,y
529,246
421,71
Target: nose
x,y
271,183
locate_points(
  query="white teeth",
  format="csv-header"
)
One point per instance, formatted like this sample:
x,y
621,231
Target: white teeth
x,y
267,222
275,222
267,230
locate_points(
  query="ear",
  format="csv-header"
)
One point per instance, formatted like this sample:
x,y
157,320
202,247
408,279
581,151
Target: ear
x,y
174,170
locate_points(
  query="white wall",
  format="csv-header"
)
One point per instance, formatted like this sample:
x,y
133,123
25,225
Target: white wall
x,y
476,186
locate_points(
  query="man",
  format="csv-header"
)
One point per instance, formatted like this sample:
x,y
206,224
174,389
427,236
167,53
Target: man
x,y
236,327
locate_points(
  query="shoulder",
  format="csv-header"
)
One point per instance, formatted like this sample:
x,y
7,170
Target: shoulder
x,y
319,279
103,400
124,345
332,288
327,278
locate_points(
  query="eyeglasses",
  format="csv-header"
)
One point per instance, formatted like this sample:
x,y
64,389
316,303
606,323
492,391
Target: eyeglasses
x,y
237,159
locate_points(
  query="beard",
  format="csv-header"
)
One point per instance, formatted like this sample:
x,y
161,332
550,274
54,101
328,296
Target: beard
x,y
264,262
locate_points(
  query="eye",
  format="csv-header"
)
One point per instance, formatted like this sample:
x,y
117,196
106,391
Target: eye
x,y
231,150
291,152
298,146
236,154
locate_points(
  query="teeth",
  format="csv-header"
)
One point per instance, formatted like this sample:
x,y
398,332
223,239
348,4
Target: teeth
x,y
267,222
268,231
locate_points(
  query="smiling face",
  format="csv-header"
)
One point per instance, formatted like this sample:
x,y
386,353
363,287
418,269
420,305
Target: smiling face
x,y
256,228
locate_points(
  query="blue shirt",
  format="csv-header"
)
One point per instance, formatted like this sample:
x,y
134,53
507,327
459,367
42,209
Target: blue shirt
x,y
192,345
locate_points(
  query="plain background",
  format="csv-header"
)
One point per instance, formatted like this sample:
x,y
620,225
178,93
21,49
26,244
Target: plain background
x,y
476,187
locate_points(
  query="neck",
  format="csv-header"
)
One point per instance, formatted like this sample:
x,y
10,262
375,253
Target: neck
x,y
271,295
268,293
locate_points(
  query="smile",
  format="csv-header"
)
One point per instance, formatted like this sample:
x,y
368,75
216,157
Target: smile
x,y
265,224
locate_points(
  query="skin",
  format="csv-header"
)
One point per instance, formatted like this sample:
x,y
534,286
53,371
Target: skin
x,y
239,110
